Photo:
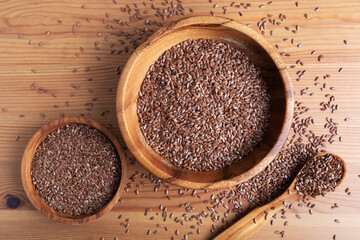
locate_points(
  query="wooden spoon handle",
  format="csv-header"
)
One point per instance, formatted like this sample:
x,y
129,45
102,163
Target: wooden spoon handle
x,y
253,221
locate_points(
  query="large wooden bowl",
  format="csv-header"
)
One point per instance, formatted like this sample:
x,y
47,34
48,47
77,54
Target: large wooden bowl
x,y
260,52
29,188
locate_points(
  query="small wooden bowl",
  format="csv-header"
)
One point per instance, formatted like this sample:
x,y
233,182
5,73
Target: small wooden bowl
x,y
260,52
29,188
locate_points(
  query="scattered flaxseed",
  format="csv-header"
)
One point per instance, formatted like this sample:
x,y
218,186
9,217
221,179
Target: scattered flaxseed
x,y
283,166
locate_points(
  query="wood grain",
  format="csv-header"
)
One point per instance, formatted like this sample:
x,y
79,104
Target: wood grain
x,y
55,60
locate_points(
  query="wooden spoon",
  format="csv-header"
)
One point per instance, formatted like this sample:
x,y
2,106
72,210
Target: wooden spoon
x,y
253,221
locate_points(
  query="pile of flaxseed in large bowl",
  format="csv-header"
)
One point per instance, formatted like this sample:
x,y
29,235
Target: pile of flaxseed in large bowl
x,y
205,103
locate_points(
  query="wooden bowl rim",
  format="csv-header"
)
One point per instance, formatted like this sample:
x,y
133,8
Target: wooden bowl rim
x,y
29,188
197,21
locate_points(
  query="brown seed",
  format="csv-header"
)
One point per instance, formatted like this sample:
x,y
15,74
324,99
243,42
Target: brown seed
x,y
320,57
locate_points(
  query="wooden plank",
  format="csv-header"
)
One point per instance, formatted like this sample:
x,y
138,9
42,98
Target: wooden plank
x,y
55,61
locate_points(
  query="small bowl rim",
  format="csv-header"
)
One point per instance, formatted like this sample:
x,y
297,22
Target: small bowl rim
x,y
237,26
29,188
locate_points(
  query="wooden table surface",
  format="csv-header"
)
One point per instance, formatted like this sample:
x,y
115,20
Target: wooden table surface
x,y
67,55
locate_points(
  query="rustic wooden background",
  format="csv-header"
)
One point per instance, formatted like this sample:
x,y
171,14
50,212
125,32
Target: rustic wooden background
x,y
54,60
